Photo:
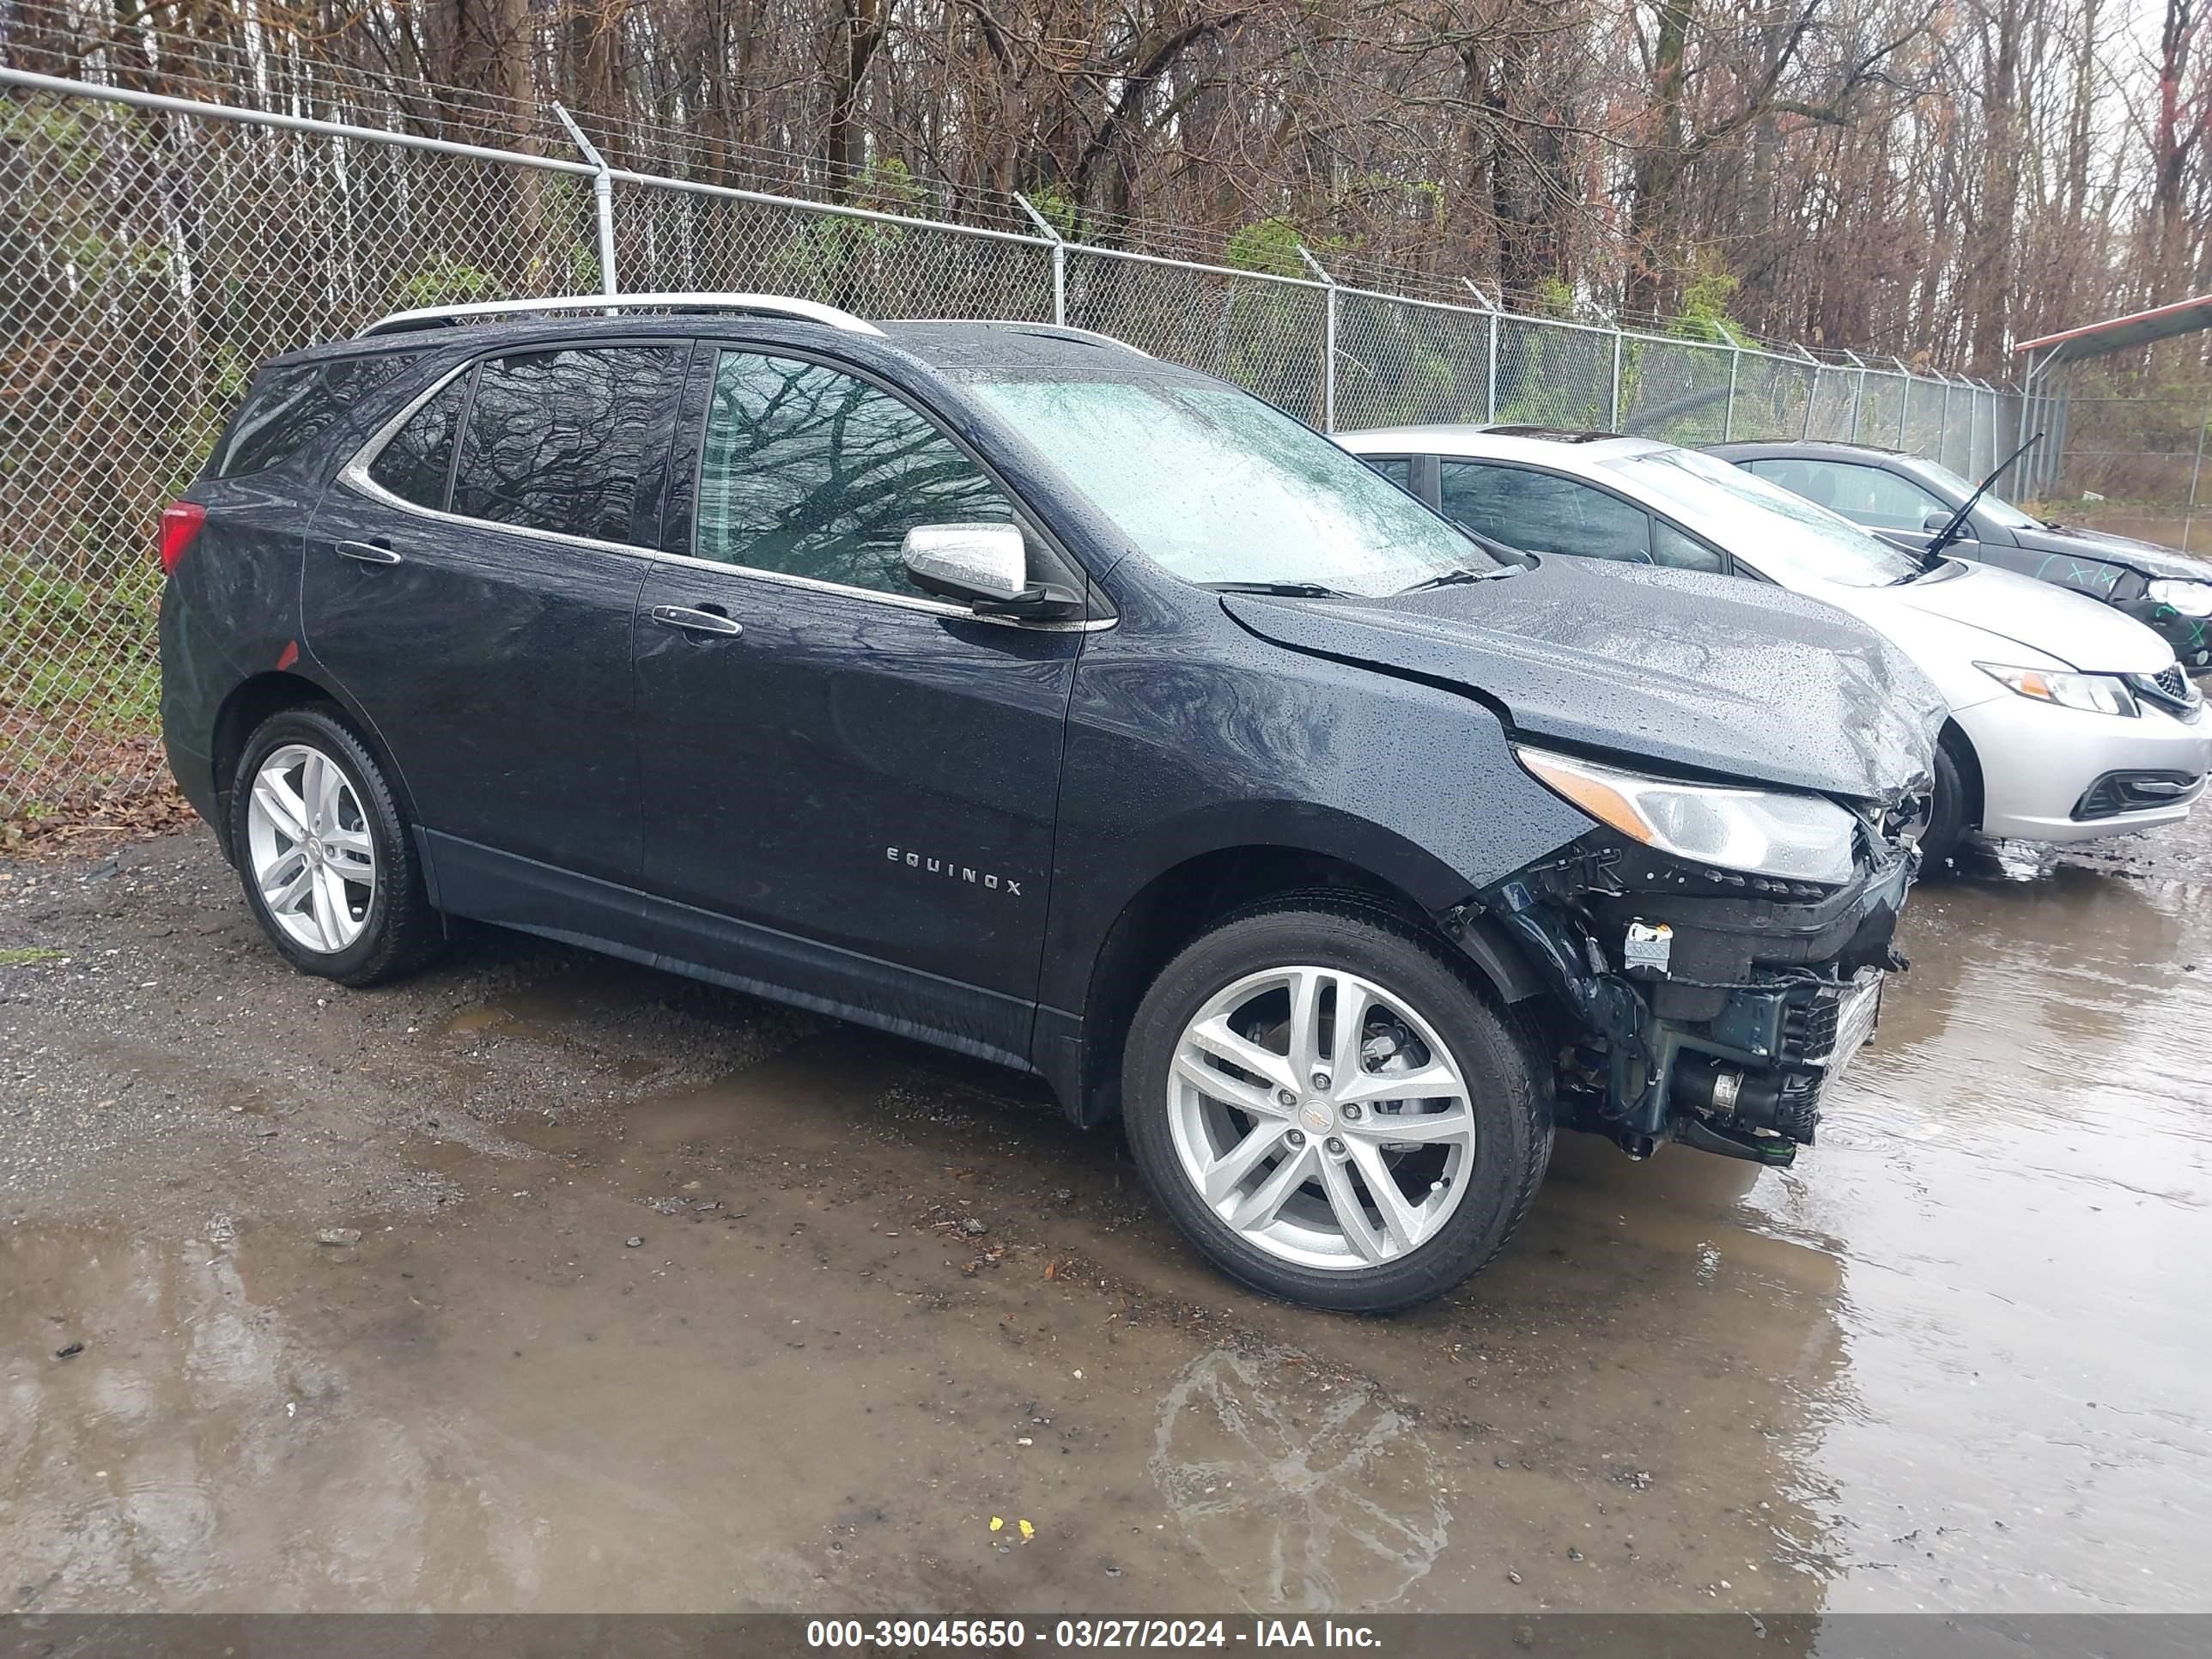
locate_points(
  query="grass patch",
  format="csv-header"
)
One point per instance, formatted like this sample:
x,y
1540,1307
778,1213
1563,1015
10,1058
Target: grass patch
x,y
29,954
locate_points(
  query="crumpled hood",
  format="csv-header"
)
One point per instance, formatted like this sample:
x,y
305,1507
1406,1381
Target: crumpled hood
x,y
2149,557
1678,668
2071,628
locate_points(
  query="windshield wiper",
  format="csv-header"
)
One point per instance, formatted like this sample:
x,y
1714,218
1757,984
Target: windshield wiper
x,y
1279,590
1454,578
1949,532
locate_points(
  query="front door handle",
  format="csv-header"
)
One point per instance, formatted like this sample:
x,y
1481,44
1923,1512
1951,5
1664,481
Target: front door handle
x,y
368,552
697,621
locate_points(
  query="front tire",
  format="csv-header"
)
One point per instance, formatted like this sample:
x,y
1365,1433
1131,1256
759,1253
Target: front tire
x,y
1947,815
1362,1172
322,852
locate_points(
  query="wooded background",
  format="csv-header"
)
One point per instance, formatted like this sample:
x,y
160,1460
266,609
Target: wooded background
x,y
1933,178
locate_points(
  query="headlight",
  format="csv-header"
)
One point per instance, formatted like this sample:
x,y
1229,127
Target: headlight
x,y
1802,837
2093,693
2190,598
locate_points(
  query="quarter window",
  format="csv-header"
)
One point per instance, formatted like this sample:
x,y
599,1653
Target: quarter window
x,y
1398,468
415,464
1543,513
814,473
292,405
1671,548
563,441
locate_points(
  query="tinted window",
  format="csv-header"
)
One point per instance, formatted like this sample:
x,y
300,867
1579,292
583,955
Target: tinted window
x,y
1864,494
1398,468
289,405
814,473
560,440
416,463
1543,513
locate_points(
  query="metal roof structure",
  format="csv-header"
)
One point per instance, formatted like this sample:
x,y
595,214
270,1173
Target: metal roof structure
x,y
2138,328
2046,388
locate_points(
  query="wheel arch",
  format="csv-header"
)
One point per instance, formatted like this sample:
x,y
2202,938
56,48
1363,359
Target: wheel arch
x,y
1182,902
1960,747
253,701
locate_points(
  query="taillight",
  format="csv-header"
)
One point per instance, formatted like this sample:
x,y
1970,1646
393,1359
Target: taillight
x,y
180,522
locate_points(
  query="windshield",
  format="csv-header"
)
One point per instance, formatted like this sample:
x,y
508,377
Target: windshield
x,y
2003,512
1777,533
1217,486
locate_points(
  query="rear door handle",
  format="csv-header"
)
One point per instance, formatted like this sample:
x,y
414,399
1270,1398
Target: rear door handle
x,y
697,621
369,553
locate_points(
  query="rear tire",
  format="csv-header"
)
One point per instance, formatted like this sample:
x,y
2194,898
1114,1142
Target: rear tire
x,y
1262,1165
1947,817
323,853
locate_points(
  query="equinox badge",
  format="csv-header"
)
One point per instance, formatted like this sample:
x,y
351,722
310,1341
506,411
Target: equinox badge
x,y
952,872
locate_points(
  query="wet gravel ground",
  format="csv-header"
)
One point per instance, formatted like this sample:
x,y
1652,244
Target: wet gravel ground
x,y
543,1282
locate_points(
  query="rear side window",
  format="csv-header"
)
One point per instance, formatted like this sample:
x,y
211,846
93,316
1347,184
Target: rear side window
x,y
290,406
1398,468
419,458
563,441
814,473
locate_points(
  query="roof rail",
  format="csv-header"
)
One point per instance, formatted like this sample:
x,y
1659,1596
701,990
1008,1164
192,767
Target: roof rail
x,y
1031,327
765,305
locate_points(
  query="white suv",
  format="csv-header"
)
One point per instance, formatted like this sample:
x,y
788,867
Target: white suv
x,y
2068,721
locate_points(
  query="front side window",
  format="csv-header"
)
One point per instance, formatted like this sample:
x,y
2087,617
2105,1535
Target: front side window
x,y
1864,494
1992,506
1217,487
1542,512
563,440
416,462
815,473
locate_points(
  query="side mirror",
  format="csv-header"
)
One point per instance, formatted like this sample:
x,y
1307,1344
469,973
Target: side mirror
x,y
986,565
1934,522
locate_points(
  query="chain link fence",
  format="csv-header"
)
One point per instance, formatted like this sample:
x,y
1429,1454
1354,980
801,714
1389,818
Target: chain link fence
x,y
157,250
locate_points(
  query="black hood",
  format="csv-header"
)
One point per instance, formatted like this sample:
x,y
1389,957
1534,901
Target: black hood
x,y
2147,557
1712,673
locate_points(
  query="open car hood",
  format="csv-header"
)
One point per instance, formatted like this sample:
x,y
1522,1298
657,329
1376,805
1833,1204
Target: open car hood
x,y
1675,669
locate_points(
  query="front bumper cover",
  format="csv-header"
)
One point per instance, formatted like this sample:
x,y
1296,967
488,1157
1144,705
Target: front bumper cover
x,y
1724,1039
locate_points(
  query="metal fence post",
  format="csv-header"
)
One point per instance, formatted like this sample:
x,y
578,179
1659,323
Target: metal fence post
x,y
1858,391
1059,260
1489,382
1328,340
1613,421
603,200
1728,409
1812,394
2189,512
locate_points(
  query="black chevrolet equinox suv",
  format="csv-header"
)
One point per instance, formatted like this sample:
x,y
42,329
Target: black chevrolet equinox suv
x,y
997,684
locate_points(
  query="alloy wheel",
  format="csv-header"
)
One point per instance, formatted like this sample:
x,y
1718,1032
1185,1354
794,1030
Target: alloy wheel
x,y
308,843
1321,1117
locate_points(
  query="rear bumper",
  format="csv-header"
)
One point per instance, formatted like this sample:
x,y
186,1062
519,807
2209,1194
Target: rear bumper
x,y
2040,766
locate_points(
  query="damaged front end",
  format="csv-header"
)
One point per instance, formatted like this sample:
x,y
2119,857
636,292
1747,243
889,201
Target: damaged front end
x,y
1696,1002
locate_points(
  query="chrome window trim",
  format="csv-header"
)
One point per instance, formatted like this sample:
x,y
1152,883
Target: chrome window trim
x,y
354,476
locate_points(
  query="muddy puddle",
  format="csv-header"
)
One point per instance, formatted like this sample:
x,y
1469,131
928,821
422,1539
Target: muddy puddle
x,y
857,1327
